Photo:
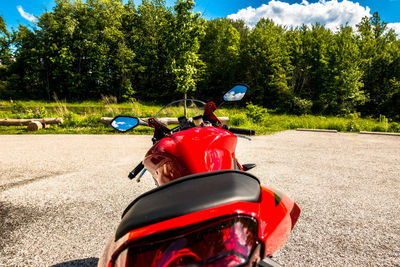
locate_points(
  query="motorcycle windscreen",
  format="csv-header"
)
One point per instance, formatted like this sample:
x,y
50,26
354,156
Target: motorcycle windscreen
x,y
227,242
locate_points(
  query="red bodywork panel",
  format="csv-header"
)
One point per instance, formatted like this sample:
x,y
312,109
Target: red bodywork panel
x,y
196,150
206,149
276,215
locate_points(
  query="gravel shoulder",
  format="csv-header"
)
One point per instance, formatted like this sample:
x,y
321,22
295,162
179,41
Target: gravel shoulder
x,y
61,196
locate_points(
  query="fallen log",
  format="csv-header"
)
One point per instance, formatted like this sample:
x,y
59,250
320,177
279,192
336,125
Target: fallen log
x,y
34,126
22,122
167,121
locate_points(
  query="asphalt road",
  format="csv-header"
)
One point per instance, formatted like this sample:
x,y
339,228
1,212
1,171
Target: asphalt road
x,y
61,196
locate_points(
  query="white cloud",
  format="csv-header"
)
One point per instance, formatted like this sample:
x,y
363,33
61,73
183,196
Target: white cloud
x,y
330,13
233,96
395,27
26,15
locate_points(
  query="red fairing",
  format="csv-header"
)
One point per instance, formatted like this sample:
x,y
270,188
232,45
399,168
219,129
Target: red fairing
x,y
277,217
275,213
196,150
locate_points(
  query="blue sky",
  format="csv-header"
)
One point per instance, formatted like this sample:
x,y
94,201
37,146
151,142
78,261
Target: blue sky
x,y
289,12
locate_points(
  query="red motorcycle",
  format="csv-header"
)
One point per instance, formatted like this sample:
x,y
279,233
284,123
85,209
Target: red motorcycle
x,y
207,210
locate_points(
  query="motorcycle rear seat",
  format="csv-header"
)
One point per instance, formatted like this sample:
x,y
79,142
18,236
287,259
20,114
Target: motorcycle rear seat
x,y
187,195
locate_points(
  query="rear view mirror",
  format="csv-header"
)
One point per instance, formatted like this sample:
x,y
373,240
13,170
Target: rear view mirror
x,y
236,93
124,123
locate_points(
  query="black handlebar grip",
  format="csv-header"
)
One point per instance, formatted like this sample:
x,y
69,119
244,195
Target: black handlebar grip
x,y
242,131
239,130
136,170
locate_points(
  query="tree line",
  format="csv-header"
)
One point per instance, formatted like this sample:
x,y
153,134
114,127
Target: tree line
x,y
84,49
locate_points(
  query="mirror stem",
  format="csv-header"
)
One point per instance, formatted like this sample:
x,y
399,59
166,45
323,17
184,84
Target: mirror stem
x,y
185,105
220,104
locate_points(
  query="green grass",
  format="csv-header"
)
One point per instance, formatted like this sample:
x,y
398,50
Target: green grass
x,y
271,122
84,118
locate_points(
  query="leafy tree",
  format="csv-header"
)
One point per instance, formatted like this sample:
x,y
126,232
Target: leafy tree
x,y
149,39
83,49
220,52
266,61
28,66
5,41
380,64
326,73
80,50
5,56
342,88
311,61
186,29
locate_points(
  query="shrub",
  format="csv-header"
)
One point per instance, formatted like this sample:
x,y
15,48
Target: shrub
x,y
379,128
18,107
256,113
353,116
353,126
394,127
71,120
91,120
37,112
238,119
301,106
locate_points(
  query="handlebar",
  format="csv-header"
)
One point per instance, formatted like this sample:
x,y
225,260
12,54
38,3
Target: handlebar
x,y
136,170
239,130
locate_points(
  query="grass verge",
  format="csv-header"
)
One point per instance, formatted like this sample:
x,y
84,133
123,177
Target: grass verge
x,y
84,118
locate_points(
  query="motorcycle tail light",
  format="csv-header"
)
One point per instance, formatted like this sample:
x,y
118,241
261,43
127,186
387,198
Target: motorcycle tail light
x,y
226,242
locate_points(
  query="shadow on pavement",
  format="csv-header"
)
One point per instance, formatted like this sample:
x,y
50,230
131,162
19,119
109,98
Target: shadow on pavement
x,y
82,262
11,218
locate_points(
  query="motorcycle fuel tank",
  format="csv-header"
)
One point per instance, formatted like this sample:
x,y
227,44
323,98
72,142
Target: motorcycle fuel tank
x,y
196,150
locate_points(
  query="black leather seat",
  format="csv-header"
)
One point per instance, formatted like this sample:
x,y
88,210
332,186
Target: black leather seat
x,y
187,195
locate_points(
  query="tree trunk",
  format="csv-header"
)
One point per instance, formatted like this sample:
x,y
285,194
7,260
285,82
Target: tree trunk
x,y
21,122
34,126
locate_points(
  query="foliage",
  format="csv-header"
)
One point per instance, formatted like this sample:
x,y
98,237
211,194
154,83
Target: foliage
x,y
301,106
353,126
5,59
148,30
238,119
256,113
18,107
78,122
186,29
5,41
380,62
220,50
341,91
20,110
84,50
394,127
267,64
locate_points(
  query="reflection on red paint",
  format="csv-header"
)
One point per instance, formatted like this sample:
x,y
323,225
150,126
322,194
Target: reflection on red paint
x,y
196,150
228,242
